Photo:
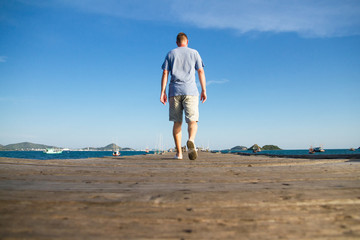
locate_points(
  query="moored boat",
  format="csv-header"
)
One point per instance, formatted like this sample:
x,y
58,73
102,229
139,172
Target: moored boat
x,y
52,151
116,153
255,150
319,149
311,150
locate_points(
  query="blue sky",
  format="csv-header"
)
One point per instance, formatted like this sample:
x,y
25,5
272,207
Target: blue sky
x,y
87,73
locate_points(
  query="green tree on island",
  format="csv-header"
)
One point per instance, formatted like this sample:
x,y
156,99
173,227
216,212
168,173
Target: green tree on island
x,y
239,148
270,147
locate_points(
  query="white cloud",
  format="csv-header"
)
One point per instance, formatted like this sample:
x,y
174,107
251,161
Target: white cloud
x,y
211,82
3,59
306,17
310,18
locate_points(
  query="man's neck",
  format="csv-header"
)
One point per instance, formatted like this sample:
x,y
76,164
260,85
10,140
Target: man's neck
x,y
183,44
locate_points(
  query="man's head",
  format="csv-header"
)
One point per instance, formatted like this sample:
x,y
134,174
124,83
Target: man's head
x,y
182,40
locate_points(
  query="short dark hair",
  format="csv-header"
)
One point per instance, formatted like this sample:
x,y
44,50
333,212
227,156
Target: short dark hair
x,y
181,37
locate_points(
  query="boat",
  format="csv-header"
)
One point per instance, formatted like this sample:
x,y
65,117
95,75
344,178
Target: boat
x,y
311,150
116,153
319,149
53,151
352,149
115,149
255,150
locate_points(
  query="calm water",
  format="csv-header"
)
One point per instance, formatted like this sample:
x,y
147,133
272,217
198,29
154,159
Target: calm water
x,y
65,154
97,154
303,152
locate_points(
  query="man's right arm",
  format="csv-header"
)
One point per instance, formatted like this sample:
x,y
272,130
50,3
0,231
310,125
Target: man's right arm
x,y
201,74
164,80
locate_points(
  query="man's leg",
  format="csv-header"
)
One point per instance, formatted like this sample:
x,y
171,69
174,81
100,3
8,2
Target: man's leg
x,y
176,115
177,138
192,129
191,108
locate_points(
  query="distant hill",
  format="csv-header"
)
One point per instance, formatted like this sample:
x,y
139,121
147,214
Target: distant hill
x,y
127,149
109,147
270,147
25,146
255,147
239,148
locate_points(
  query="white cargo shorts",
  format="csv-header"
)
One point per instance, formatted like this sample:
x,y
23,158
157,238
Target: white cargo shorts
x,y
184,103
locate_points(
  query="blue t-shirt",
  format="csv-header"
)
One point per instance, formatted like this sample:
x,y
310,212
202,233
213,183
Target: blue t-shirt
x,y
182,63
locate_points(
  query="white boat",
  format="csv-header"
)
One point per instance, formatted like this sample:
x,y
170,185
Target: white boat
x,y
116,153
116,150
52,151
319,149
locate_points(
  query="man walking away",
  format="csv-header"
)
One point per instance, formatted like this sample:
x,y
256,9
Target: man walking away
x,y
183,63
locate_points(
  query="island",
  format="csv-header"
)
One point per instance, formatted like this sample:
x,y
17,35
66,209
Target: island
x,y
239,148
270,147
28,146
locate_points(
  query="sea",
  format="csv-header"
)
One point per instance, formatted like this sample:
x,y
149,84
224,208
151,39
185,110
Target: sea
x,y
39,155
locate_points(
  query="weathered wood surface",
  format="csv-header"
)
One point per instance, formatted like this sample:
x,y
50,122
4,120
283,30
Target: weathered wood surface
x,y
218,196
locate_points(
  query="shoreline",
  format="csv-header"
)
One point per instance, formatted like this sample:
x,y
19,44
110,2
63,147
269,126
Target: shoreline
x,y
217,196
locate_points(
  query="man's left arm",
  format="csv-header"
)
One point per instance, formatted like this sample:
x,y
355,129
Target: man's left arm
x,y
201,74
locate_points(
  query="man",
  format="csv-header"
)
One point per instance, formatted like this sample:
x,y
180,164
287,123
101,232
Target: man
x,y
183,63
